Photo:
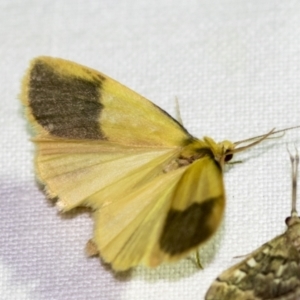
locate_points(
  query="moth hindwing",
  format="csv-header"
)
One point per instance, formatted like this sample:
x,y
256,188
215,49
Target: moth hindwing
x,y
156,191
270,272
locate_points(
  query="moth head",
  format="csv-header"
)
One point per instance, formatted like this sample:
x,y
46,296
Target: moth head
x,y
222,152
227,150
289,221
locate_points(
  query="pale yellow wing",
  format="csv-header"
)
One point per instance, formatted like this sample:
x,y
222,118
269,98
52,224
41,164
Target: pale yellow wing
x,y
70,101
163,220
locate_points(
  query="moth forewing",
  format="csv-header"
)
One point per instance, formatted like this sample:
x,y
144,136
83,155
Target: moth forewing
x,y
101,145
270,272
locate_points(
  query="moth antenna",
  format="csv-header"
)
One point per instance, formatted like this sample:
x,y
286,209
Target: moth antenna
x,y
178,115
295,164
265,136
259,139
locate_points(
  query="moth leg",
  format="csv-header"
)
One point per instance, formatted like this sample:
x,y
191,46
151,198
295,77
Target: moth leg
x,y
234,162
198,262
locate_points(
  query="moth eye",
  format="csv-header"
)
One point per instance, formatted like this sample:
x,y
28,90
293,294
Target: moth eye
x,y
228,157
287,221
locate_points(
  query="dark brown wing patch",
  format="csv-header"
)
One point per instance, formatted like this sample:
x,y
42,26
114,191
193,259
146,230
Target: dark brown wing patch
x,y
186,229
65,106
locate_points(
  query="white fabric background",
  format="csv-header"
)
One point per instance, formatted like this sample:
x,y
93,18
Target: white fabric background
x,y
235,67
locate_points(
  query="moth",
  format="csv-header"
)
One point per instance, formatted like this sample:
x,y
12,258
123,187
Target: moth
x,y
156,191
270,272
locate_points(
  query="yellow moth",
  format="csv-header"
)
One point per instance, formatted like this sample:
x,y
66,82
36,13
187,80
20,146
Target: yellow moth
x,y
271,271
155,190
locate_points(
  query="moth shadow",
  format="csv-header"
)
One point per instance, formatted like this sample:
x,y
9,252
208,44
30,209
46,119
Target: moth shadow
x,y
166,272
184,268
75,212
171,272
210,249
121,276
